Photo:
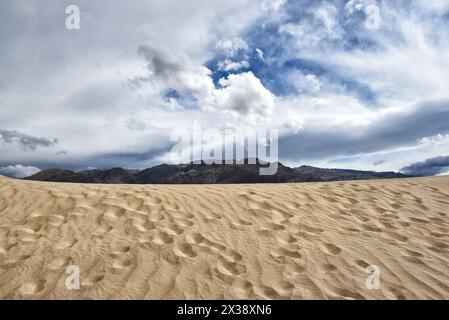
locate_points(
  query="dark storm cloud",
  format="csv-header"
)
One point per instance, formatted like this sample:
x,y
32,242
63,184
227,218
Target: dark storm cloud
x,y
27,142
127,159
429,167
386,132
135,160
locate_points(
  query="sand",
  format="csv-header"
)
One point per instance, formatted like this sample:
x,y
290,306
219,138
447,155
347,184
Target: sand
x,y
275,241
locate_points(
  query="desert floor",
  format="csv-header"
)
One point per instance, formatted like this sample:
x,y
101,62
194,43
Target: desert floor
x,y
282,241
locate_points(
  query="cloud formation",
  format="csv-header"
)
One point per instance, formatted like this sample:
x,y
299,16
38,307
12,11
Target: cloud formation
x,y
429,167
18,171
231,47
385,131
228,65
341,89
26,142
241,94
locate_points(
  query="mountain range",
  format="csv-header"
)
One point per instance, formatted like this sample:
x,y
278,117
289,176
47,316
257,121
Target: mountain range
x,y
202,173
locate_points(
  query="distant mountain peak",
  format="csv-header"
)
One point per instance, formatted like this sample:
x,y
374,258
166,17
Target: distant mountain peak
x,y
201,173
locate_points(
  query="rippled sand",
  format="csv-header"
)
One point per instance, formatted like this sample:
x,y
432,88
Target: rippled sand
x,y
274,241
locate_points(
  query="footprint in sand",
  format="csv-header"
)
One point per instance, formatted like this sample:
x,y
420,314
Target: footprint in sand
x,y
32,287
28,235
372,228
154,200
396,294
380,210
212,246
143,227
351,229
92,280
232,255
329,267
404,224
56,220
422,207
244,223
173,229
395,236
114,213
266,233
243,289
331,249
438,246
311,230
160,237
156,216
271,226
437,220
194,238
280,217
77,212
292,270
413,259
287,253
185,223
101,230
265,292
228,268
121,249
14,262
34,226
182,214
362,264
348,294
258,204
65,244
414,253
353,200
285,238
120,266
438,234
147,226
418,220
396,206
24,232
283,288
58,263
184,250
146,242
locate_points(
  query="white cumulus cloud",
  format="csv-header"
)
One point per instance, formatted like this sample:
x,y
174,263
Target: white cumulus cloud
x,y
18,171
232,46
228,65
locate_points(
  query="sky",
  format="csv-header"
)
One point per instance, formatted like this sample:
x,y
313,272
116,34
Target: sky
x,y
360,84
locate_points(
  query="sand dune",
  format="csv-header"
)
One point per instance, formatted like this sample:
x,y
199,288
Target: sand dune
x,y
283,241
